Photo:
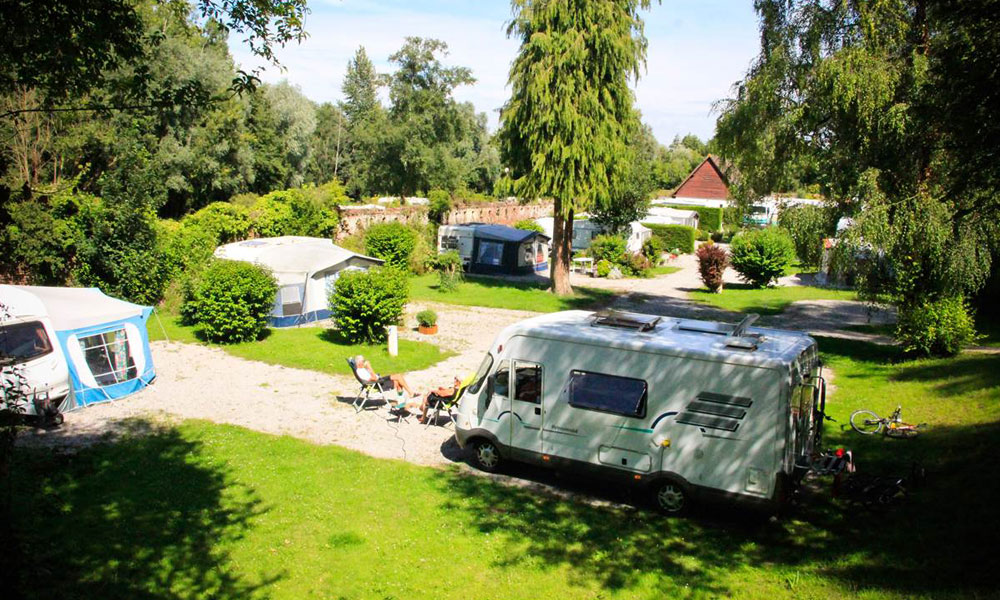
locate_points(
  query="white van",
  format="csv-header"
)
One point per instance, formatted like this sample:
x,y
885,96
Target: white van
x,y
685,408
30,356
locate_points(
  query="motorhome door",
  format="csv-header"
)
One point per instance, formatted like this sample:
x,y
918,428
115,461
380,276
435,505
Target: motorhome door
x,y
526,406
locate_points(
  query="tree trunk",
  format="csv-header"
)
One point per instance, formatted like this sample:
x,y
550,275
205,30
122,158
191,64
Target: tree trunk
x,y
562,251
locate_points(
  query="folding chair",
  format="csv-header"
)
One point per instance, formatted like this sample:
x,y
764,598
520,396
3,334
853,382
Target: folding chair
x,y
448,403
368,388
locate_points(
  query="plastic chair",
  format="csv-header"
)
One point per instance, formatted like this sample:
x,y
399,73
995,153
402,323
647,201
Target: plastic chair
x,y
449,403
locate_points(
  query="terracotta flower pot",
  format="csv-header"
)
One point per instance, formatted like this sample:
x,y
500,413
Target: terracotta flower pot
x,y
427,330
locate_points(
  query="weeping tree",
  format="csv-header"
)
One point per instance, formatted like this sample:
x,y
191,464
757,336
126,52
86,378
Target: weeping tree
x,y
894,106
564,131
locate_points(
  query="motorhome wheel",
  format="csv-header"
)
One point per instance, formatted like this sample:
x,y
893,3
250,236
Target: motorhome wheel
x,y
487,456
670,497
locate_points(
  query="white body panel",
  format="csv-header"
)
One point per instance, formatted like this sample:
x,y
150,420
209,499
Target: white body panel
x,y
45,374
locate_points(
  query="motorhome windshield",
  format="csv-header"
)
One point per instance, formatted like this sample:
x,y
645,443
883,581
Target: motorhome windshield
x,y
22,342
484,369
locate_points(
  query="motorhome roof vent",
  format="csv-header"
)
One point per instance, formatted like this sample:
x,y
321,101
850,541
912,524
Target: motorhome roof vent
x,y
624,320
739,338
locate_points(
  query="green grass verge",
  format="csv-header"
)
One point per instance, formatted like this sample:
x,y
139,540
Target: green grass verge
x,y
211,511
313,348
495,292
767,301
659,271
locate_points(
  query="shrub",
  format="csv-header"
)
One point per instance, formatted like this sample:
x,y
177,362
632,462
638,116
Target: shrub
x,y
438,206
603,267
712,261
717,236
938,328
427,318
653,250
610,248
225,222
710,218
529,225
449,268
635,265
230,302
679,237
807,226
392,242
364,303
761,256
703,236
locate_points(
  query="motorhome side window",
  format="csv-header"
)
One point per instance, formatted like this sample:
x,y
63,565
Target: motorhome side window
x,y
23,341
608,393
528,382
501,381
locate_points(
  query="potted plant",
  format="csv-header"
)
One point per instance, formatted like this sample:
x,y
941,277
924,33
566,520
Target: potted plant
x,y
427,322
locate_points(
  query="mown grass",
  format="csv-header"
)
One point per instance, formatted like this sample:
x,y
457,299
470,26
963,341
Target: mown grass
x,y
494,292
663,270
314,348
767,301
205,510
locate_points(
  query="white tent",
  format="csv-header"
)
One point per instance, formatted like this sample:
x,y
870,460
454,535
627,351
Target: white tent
x,y
661,215
305,268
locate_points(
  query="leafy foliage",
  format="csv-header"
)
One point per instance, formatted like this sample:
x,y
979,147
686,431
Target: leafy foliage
x,y
760,256
807,226
449,268
439,205
427,318
939,328
364,303
709,217
672,238
392,242
231,301
529,225
712,263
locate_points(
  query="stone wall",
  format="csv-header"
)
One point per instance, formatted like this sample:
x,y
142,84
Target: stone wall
x,y
504,212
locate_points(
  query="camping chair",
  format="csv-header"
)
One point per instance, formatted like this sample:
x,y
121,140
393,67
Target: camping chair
x,y
448,403
368,388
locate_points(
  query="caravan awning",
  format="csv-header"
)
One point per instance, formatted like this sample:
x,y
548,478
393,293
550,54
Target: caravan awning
x,y
502,233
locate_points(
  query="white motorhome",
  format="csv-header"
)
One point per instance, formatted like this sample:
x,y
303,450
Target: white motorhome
x,y
686,408
30,355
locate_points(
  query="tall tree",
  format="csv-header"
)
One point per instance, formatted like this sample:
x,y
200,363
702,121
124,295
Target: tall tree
x,y
360,88
564,131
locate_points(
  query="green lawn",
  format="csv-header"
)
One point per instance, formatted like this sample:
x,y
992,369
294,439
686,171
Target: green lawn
x,y
210,511
495,292
658,271
767,301
314,348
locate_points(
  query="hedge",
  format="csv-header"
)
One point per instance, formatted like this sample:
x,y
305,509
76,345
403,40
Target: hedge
x,y
709,217
674,237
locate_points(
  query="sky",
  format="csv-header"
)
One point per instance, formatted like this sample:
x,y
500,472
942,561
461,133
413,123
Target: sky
x,y
697,50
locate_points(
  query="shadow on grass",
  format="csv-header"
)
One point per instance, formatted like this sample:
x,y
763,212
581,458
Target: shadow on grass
x,y
957,377
931,544
145,517
859,350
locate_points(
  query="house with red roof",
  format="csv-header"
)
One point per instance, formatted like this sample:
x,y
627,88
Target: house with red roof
x,y
706,182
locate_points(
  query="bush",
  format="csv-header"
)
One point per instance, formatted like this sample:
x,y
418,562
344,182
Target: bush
x,y
449,268
603,267
761,256
938,328
674,237
807,226
610,248
710,218
716,236
529,225
230,302
392,242
427,318
653,250
438,206
712,261
225,222
364,303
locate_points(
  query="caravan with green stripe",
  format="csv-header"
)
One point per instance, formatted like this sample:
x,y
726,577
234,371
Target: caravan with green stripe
x,y
685,408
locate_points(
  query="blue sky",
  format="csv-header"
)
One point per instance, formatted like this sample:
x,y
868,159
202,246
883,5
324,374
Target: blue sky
x,y
697,50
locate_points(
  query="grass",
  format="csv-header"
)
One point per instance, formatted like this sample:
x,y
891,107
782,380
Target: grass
x,y
768,301
204,510
495,292
663,270
313,348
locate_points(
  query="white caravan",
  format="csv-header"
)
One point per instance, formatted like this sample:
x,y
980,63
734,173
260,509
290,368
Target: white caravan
x,y
30,355
686,408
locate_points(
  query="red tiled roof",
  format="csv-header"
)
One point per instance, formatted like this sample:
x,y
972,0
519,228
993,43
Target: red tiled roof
x,y
706,181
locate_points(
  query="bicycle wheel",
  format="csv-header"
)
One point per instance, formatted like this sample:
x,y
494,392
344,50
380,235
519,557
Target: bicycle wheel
x,y
866,422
